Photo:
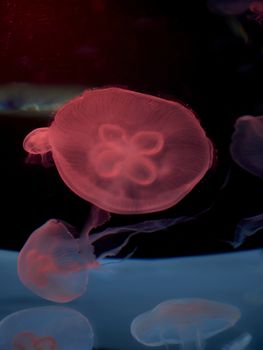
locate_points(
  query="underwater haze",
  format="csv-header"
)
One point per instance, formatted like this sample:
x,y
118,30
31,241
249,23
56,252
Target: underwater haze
x,y
132,168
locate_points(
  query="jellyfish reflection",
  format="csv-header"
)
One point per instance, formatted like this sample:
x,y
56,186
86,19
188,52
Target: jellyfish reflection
x,y
55,260
247,144
124,151
46,328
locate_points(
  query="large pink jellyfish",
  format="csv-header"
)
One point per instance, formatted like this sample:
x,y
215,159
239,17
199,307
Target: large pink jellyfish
x,y
124,151
55,261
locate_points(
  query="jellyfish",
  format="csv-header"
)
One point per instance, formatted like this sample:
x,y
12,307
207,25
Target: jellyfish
x,y
245,228
256,8
55,261
187,322
240,343
46,328
247,144
229,7
125,152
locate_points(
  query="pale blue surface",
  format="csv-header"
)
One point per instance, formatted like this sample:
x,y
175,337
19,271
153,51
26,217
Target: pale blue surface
x,y
118,292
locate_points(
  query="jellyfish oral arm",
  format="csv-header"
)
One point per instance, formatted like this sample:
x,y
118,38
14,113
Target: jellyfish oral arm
x,y
142,227
246,228
239,343
192,339
97,218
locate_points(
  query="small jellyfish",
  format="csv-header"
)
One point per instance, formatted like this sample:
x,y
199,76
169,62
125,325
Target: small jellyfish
x,y
247,144
229,7
240,343
124,151
46,328
188,322
55,260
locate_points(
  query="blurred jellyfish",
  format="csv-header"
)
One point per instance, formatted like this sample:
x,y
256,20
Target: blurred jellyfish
x,y
246,228
124,151
33,98
238,30
229,7
256,8
247,144
240,343
46,328
188,322
55,260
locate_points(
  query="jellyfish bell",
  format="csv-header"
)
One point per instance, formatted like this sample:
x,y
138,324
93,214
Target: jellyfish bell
x,y
186,322
46,328
247,144
36,144
126,152
53,263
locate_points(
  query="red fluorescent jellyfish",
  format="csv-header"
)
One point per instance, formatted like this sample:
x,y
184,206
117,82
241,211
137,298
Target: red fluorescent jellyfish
x,y
54,262
124,151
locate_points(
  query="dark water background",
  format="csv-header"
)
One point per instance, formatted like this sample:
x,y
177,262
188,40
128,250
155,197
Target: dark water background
x,y
176,49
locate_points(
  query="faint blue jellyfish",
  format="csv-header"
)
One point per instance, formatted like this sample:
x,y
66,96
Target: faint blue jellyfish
x,y
229,7
46,328
246,228
188,322
55,260
240,343
247,144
